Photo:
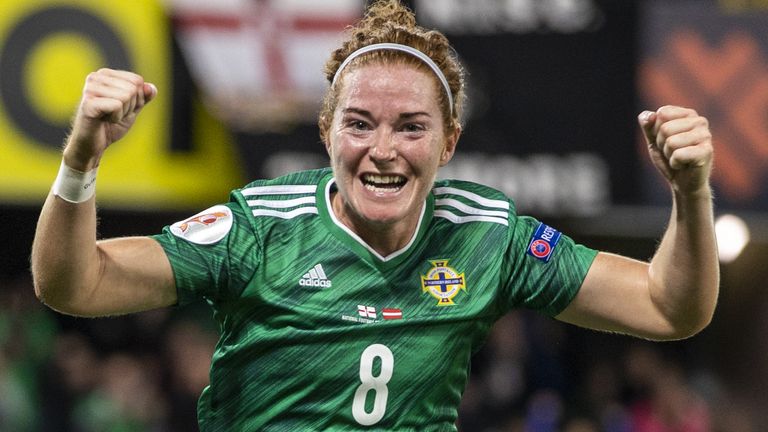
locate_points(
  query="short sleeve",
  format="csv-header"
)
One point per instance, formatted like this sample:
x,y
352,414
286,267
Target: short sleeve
x,y
544,268
213,254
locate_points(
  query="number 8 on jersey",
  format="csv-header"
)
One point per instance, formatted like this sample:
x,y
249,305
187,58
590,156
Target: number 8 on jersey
x,y
376,383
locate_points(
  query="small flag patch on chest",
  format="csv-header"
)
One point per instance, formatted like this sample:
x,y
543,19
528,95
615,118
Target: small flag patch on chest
x,y
392,313
366,311
543,243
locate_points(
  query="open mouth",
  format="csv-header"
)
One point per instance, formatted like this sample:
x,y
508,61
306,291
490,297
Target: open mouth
x,y
383,183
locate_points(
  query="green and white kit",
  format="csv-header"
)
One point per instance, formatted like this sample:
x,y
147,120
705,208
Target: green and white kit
x,y
319,332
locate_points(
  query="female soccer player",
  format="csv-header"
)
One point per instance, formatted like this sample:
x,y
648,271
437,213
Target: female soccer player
x,y
353,296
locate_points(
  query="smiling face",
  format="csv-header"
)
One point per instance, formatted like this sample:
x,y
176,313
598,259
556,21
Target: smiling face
x,y
386,142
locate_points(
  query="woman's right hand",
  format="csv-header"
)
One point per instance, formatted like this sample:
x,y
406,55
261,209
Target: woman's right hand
x,y
111,101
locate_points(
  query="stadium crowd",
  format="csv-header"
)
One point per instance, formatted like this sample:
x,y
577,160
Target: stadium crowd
x,y
144,372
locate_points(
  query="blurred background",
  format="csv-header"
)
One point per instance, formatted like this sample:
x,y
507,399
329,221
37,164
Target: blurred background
x,y
554,90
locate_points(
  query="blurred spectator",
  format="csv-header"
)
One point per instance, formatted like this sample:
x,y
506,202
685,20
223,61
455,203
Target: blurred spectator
x,y
581,424
545,412
68,378
188,348
126,397
669,403
26,332
495,393
602,392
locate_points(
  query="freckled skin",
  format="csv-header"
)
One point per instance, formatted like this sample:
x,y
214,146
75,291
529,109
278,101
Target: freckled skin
x,y
387,122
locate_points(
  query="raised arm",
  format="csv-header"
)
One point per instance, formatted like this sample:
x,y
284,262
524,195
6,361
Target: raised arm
x,y
72,271
673,296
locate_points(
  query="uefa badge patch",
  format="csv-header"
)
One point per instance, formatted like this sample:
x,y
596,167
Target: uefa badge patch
x,y
443,282
543,243
207,227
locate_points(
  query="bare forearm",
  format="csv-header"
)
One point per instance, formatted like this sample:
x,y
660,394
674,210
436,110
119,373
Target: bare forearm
x,y
76,274
65,261
684,273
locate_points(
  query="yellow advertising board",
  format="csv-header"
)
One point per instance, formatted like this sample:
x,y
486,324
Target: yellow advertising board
x,y
47,48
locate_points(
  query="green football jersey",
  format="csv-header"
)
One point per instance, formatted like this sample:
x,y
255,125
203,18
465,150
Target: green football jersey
x,y
320,332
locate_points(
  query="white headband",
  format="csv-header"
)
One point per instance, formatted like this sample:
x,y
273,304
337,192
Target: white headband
x,y
404,48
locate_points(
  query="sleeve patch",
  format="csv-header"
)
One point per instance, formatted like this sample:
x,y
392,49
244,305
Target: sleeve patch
x,y
543,242
207,227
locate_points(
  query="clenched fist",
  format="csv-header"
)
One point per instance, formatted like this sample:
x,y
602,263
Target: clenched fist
x,y
680,145
111,101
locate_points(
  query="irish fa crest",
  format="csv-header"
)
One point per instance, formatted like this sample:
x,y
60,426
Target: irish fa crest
x,y
443,282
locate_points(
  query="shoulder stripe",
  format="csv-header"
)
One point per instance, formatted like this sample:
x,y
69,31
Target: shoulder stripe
x,y
279,190
504,205
282,203
466,219
286,215
469,210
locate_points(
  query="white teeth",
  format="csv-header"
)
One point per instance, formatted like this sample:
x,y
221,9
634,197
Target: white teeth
x,y
383,183
380,189
383,179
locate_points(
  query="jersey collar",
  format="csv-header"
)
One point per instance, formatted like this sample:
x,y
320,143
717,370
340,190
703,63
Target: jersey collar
x,y
355,242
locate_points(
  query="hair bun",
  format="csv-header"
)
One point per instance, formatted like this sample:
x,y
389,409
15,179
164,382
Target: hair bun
x,y
388,13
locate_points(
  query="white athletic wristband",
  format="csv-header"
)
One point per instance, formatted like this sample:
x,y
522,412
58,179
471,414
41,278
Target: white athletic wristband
x,y
74,186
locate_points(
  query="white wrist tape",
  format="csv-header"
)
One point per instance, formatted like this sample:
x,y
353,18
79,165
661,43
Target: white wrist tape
x,y
74,186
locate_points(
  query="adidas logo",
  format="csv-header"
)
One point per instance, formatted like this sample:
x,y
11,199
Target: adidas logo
x,y
315,277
